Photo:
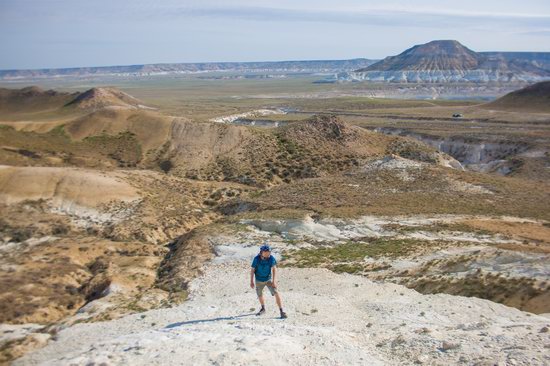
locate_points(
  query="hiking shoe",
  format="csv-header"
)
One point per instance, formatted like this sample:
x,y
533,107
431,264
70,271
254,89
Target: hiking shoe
x,y
261,312
283,315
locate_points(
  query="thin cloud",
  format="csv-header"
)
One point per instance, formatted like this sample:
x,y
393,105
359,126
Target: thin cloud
x,y
538,32
379,17
58,33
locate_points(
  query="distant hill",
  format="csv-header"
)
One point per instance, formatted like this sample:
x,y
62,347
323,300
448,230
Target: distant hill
x,y
31,99
34,99
94,112
534,98
450,61
97,98
312,66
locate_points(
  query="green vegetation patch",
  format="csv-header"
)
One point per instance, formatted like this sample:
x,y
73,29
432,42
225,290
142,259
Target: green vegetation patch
x,y
123,148
349,257
512,291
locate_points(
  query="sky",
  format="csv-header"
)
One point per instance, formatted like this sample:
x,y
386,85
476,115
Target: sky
x,y
76,33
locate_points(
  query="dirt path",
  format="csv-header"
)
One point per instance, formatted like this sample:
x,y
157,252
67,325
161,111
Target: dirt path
x,y
334,319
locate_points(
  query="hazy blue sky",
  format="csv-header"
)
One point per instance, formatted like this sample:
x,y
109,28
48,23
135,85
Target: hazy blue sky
x,y
66,33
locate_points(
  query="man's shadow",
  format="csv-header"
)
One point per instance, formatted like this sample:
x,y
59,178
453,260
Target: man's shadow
x,y
178,324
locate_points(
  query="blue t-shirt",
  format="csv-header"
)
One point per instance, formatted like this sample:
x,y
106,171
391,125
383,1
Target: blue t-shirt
x,y
263,267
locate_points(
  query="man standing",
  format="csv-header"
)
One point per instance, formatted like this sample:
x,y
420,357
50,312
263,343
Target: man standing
x,y
264,266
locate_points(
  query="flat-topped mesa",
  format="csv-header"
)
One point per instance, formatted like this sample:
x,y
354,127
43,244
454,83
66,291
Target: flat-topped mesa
x,y
97,98
449,61
433,56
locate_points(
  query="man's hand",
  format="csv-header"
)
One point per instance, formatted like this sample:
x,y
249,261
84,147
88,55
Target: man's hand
x,y
274,284
252,271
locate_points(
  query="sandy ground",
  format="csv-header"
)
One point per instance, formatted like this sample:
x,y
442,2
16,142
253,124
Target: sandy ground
x,y
333,319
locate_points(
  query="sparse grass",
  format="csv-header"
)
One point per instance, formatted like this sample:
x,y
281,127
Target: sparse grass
x,y
283,213
414,150
354,268
177,297
288,146
256,193
123,148
56,148
133,307
383,193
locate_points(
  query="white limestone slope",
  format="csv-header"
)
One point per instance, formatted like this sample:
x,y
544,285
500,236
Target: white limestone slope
x,y
333,319
441,76
250,114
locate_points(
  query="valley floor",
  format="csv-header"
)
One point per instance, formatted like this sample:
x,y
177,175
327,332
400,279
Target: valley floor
x,y
126,231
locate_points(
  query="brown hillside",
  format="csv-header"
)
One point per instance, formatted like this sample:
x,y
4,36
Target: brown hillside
x,y
94,113
319,146
533,98
150,128
315,147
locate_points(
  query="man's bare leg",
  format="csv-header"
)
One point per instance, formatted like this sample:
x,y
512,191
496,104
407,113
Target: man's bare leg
x,y
279,301
262,302
280,304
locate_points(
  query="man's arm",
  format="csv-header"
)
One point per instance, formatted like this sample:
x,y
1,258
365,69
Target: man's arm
x,y
252,270
273,276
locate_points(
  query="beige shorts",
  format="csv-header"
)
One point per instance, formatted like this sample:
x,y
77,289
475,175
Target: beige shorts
x,y
260,288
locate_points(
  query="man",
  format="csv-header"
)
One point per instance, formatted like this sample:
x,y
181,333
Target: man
x,y
264,266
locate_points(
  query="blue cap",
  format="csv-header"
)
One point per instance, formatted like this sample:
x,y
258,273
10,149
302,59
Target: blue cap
x,y
265,248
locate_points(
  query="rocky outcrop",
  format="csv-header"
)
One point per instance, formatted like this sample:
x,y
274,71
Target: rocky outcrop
x,y
184,261
474,154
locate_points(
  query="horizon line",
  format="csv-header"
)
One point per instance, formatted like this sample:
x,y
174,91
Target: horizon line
x,y
230,62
